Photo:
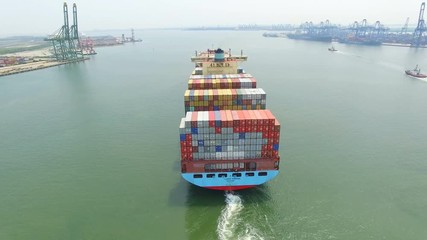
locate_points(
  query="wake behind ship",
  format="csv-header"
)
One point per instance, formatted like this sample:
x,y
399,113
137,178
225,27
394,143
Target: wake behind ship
x,y
229,140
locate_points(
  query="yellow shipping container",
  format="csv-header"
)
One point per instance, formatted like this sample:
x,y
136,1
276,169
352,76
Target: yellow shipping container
x,y
187,95
229,94
210,94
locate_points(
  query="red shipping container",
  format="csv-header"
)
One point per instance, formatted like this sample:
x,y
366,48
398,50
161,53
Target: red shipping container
x,y
265,135
248,121
236,121
211,119
254,118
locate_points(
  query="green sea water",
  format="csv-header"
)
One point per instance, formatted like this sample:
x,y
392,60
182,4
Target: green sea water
x,y
91,150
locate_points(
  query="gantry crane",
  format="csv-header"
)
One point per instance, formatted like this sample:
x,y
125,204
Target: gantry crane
x,y
420,29
405,27
65,41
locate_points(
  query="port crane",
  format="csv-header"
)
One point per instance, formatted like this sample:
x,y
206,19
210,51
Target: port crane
x,y
65,41
378,30
405,27
363,30
420,29
321,29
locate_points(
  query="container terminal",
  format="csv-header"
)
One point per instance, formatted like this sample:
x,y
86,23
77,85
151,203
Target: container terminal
x,y
65,49
25,54
361,33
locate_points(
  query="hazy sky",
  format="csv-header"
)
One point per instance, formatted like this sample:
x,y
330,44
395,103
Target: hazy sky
x,y
42,17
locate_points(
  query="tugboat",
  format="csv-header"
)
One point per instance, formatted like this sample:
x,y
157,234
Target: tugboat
x,y
416,72
332,49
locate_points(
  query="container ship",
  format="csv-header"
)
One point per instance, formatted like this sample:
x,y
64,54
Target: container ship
x,y
229,139
310,37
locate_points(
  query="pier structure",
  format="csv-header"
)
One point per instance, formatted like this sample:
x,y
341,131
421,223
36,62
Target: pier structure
x,y
324,31
86,45
130,39
363,33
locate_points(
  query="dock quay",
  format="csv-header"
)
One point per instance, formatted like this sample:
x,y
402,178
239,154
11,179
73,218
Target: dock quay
x,y
20,68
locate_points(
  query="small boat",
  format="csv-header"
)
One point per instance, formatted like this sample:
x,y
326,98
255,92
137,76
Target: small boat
x,y
416,72
332,49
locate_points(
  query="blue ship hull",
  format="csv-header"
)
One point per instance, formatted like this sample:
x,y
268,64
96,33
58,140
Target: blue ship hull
x,y
230,180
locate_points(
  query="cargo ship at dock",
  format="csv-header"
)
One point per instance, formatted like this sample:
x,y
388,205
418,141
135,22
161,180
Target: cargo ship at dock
x,y
310,37
229,140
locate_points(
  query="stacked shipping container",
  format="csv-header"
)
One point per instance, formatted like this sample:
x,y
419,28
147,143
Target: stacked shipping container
x,y
221,76
221,83
224,99
229,135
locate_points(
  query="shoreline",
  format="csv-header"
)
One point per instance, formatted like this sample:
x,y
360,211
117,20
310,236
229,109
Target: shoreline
x,y
41,61
44,52
21,68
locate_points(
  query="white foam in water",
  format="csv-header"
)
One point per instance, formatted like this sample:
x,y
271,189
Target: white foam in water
x,y
251,233
229,218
